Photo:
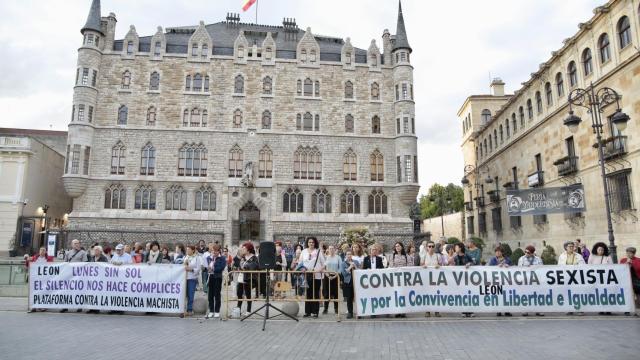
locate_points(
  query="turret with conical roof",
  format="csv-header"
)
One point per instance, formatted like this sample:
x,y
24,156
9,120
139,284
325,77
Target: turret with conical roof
x,y
93,20
401,41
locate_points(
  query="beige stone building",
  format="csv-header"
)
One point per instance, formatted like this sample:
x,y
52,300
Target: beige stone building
x,y
520,140
31,166
241,130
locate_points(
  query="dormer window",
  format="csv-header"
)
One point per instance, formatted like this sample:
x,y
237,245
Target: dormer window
x,y
240,52
312,56
268,54
348,58
205,50
303,55
89,39
403,56
130,48
374,60
194,50
156,49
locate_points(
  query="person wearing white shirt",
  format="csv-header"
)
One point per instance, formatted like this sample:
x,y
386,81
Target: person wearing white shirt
x,y
120,257
600,254
192,264
430,258
569,256
530,259
312,259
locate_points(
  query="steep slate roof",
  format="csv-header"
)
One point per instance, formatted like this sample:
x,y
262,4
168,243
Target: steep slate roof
x,y
93,20
224,35
401,41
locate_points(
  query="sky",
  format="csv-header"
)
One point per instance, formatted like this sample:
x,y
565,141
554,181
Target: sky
x,y
457,47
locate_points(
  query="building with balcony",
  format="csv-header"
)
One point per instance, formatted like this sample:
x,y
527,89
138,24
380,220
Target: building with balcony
x,y
519,140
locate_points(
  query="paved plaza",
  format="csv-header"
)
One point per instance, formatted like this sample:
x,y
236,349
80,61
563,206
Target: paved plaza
x,y
80,336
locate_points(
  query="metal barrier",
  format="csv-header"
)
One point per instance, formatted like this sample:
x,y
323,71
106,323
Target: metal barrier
x,y
13,272
286,286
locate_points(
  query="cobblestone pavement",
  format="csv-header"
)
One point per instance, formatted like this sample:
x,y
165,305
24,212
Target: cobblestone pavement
x,y
53,335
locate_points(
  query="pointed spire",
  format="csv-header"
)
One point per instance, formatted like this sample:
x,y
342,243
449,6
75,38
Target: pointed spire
x,y
401,41
94,18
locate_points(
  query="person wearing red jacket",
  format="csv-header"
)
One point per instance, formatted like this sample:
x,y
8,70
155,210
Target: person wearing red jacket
x,y
41,256
634,266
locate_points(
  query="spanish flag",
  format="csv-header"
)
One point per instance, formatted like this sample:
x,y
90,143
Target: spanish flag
x,y
246,4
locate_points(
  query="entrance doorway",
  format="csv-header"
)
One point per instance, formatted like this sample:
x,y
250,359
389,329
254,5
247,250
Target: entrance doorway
x,y
249,222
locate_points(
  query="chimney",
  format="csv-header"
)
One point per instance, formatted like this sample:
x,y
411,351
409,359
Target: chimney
x,y
497,87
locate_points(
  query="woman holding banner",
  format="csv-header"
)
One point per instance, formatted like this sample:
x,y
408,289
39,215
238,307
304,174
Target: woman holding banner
x,y
462,259
192,264
330,279
346,272
431,258
501,261
600,254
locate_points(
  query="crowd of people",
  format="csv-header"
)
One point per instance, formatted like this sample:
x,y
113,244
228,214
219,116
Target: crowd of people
x,y
315,269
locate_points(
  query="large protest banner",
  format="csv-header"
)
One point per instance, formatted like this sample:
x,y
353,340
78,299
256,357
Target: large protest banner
x,y
494,289
101,286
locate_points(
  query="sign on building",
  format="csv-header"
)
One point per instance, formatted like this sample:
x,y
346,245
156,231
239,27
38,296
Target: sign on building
x,y
540,201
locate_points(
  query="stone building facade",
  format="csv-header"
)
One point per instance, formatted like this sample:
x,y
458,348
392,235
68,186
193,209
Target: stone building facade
x,y
241,129
521,141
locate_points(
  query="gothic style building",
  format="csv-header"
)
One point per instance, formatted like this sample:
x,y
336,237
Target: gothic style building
x,y
240,129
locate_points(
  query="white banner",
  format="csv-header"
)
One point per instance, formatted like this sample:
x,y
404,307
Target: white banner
x,y
494,289
101,286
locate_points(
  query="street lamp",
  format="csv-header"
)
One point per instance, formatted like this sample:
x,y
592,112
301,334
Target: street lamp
x,y
594,101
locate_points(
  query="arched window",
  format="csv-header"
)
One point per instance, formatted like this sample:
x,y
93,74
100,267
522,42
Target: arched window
x,y
317,88
237,119
375,124
126,79
573,74
485,147
123,113
266,119
206,83
485,116
490,143
348,90
308,87
548,93
192,160
292,201
187,83
605,48
538,102
197,83
350,165
377,202
521,114
205,199
154,81
317,122
307,163
350,202
238,85
115,197
514,124
175,198
265,163
348,123
321,202
145,198
375,91
529,109
559,84
307,122
148,160
151,116
185,117
495,137
235,162
624,32
377,165
195,117
118,158
501,134
507,127
205,118
267,84
587,64
299,88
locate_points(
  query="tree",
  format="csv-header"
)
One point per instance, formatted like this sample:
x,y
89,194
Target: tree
x,y
478,242
549,256
506,250
517,253
440,207
453,240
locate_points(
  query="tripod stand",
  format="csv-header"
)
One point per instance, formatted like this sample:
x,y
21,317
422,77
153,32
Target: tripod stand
x,y
267,305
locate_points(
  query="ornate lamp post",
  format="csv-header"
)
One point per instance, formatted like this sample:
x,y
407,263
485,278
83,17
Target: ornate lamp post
x,y
594,101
